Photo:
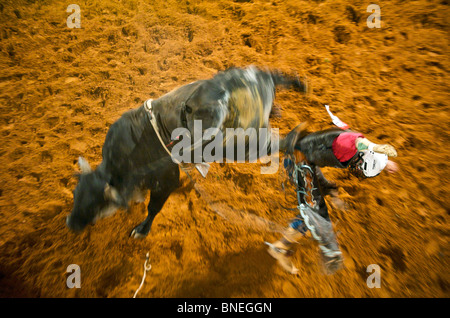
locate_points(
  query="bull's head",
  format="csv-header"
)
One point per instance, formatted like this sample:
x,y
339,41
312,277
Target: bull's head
x,y
93,198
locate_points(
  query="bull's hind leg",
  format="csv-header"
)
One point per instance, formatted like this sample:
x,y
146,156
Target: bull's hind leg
x,y
158,196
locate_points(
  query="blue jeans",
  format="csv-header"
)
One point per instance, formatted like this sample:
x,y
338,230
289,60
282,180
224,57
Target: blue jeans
x,y
299,225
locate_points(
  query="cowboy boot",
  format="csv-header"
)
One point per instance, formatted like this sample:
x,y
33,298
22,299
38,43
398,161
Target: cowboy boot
x,y
282,251
287,144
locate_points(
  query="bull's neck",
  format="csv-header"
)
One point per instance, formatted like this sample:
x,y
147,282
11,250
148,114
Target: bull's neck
x,y
168,118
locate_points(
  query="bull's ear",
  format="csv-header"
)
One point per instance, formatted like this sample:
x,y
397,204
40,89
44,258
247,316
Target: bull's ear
x,y
111,194
84,165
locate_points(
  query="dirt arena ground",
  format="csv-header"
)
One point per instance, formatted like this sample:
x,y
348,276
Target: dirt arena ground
x,y
62,88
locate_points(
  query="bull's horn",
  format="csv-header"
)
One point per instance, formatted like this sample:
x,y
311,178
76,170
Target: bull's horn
x,y
111,194
84,165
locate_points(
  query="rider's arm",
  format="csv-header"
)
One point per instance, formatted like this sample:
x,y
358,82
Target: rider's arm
x,y
364,143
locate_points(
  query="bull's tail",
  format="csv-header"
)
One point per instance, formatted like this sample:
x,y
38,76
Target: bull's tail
x,y
289,81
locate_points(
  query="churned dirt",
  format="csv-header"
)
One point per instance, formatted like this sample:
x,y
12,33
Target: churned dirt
x,y
62,88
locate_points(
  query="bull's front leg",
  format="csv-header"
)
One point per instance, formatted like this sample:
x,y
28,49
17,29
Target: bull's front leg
x,y
158,196
157,200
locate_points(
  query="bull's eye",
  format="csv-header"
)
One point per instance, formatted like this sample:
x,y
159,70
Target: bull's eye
x,y
188,109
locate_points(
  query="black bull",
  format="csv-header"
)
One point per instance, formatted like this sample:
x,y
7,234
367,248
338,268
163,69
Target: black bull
x,y
135,161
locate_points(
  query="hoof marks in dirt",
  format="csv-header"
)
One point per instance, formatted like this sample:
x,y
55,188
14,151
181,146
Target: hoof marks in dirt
x,y
177,249
341,34
379,202
46,156
352,14
397,257
244,181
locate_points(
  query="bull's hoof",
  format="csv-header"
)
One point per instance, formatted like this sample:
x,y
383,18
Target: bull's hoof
x,y
138,234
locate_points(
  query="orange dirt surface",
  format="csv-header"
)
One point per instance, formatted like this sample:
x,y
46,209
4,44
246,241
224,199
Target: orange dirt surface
x,y
62,88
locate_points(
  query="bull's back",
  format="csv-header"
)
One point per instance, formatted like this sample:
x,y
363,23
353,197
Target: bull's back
x,y
252,92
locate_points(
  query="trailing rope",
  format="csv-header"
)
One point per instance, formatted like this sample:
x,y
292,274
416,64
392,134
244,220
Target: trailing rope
x,y
146,269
